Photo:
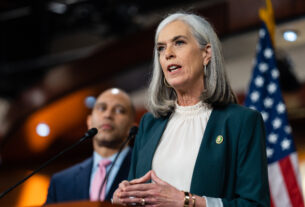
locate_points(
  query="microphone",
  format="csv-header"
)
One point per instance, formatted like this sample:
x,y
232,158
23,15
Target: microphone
x,y
132,134
89,134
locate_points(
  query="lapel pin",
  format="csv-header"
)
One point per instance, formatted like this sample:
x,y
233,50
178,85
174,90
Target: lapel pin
x,y
219,139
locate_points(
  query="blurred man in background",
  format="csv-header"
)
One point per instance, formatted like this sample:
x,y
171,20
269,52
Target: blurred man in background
x,y
113,115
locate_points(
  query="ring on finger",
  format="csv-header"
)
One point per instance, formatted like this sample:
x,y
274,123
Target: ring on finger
x,y
143,202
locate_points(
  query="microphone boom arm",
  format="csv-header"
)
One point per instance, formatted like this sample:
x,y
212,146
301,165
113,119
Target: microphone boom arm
x,y
90,133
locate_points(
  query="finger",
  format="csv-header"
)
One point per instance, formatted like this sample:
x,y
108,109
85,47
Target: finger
x,y
138,194
151,201
120,194
156,179
116,197
132,201
140,187
116,193
123,184
142,179
118,201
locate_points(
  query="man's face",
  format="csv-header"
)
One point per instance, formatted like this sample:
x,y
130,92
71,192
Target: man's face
x,y
112,116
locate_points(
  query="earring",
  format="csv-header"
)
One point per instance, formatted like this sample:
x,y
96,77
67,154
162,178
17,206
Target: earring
x,y
166,84
205,69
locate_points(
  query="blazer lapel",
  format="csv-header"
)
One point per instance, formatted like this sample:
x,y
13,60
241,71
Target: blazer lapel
x,y
206,182
82,178
148,150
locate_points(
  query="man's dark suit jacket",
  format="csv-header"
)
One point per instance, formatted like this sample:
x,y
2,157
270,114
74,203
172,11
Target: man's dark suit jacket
x,y
73,183
234,170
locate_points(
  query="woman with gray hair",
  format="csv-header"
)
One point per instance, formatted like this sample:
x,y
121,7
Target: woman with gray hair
x,y
197,146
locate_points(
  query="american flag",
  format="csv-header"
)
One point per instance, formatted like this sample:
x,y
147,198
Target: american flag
x,y
265,96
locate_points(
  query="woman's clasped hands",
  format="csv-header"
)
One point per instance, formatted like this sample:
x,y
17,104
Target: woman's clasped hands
x,y
139,192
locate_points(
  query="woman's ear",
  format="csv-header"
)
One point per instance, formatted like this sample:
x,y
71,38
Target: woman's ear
x,y
207,54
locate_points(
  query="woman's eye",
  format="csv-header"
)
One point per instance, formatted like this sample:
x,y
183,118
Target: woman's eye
x,y
179,42
160,49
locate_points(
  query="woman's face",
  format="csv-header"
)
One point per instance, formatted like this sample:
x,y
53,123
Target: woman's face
x,y
180,57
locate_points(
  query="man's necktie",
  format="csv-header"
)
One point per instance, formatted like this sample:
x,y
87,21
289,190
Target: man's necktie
x,y
98,180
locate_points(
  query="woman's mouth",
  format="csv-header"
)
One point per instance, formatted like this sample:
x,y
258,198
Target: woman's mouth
x,y
172,68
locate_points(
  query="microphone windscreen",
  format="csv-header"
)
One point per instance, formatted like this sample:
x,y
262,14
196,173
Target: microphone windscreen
x,y
91,132
133,131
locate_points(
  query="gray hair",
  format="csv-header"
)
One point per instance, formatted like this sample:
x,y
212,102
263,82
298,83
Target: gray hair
x,y
218,92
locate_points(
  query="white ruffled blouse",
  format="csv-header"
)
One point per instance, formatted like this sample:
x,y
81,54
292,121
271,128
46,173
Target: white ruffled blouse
x,y
176,154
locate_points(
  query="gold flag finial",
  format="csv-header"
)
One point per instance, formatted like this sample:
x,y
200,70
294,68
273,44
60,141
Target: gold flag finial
x,y
267,15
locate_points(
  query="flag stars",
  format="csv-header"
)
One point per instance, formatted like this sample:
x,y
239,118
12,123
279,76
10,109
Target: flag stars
x,y
285,144
280,108
269,152
252,107
272,138
262,33
268,102
254,96
268,53
275,73
259,81
276,123
271,88
263,67
287,129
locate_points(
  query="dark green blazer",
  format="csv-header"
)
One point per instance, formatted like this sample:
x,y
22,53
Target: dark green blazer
x,y
234,170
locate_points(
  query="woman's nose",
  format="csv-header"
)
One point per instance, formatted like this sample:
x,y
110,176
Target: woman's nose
x,y
169,53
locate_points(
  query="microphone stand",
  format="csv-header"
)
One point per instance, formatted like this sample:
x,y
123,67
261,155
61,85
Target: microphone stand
x,y
88,134
132,133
